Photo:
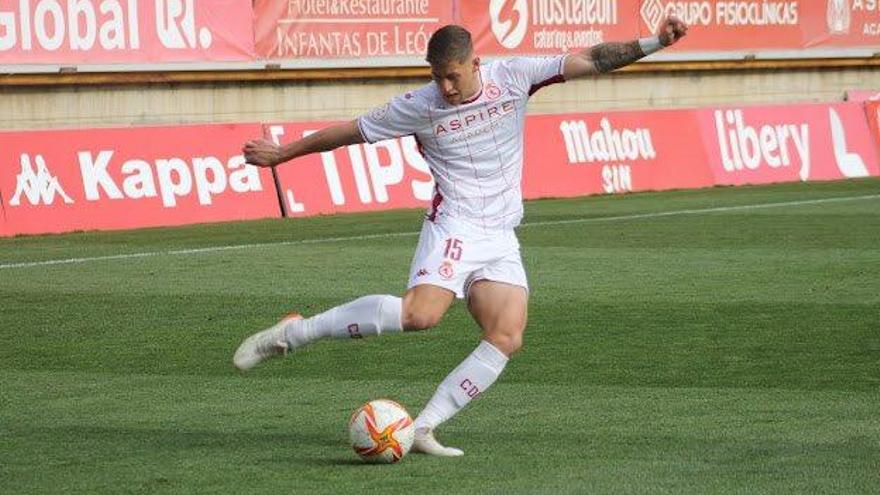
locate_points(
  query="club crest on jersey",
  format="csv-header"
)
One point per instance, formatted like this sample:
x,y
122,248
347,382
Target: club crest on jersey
x,y
379,113
492,91
446,271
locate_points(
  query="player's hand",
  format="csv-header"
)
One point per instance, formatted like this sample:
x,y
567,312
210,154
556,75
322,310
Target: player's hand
x,y
262,153
671,30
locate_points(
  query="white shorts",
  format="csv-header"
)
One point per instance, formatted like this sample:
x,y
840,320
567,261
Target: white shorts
x,y
454,259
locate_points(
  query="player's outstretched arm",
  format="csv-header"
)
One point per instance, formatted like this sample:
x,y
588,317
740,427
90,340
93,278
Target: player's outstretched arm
x,y
265,153
606,57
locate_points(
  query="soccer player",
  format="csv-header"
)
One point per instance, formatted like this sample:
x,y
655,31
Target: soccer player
x,y
469,123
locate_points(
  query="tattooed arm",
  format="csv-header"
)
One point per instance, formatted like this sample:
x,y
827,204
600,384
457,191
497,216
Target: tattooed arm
x,y
606,57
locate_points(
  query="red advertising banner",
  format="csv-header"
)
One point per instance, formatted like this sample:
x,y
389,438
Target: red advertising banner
x,y
872,111
546,27
755,25
760,145
841,23
313,29
595,153
862,95
365,177
125,31
58,181
131,32
720,25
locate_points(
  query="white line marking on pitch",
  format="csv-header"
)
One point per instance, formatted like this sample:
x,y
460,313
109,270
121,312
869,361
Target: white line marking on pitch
x,y
637,216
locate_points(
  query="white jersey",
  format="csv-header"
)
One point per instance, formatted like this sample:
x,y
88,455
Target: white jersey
x,y
474,149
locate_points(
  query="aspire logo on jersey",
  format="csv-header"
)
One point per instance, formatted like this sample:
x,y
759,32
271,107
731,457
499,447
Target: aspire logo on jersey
x,y
477,117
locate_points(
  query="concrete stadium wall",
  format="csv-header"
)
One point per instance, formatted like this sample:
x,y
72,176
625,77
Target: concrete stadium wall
x,y
177,103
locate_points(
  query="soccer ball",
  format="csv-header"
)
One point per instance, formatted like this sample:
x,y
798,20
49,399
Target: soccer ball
x,y
381,431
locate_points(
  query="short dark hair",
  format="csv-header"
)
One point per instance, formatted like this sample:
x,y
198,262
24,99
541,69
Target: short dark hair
x,y
449,43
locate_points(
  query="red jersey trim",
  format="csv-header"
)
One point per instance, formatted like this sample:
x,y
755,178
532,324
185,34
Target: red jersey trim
x,y
361,130
547,82
558,78
475,98
435,204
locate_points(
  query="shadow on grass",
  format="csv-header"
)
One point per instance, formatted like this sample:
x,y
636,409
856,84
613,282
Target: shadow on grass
x,y
338,461
176,438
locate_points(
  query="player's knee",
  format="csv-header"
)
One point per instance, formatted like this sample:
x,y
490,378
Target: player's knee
x,y
514,343
421,312
507,342
420,321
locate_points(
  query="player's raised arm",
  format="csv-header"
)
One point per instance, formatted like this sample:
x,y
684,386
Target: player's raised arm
x,y
606,57
265,153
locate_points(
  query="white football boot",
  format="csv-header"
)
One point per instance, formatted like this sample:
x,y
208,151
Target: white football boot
x,y
265,344
425,443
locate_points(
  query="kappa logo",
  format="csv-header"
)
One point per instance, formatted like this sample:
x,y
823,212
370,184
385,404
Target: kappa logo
x,y
38,186
838,17
422,273
850,164
652,13
509,20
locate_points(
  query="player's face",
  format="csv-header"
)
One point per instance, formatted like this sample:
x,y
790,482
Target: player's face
x,y
458,80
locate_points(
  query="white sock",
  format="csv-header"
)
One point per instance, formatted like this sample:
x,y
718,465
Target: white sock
x,y
368,315
472,377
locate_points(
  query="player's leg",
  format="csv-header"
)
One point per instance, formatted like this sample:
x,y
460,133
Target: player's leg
x,y
501,311
427,299
365,316
420,308
424,306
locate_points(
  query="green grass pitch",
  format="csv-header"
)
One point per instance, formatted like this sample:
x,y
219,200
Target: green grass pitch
x,y
678,342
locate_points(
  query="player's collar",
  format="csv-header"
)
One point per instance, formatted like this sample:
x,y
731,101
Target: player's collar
x,y
479,93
